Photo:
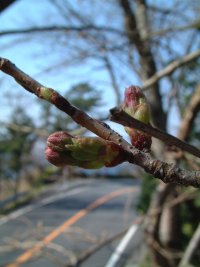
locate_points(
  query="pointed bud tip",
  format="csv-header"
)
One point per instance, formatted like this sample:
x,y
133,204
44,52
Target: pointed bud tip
x,y
58,137
132,96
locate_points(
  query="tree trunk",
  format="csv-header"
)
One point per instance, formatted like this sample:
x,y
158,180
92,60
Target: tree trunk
x,y
136,22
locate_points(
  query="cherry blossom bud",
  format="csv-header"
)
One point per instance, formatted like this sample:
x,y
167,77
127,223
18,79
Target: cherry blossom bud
x,y
86,152
135,104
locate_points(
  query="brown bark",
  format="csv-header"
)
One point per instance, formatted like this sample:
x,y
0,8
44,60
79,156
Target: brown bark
x,y
169,225
119,116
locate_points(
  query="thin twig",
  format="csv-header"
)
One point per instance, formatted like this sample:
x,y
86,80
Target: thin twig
x,y
63,29
121,117
190,114
86,254
192,25
171,68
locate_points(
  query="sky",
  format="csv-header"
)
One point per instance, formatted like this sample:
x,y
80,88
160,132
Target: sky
x,y
37,56
22,14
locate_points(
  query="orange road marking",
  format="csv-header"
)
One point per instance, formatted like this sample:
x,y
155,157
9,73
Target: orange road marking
x,y
28,254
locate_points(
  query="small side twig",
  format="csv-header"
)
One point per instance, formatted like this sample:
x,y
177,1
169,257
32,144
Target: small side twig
x,y
170,68
86,254
121,117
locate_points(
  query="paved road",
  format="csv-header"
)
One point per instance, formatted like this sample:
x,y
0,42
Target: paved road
x,y
64,225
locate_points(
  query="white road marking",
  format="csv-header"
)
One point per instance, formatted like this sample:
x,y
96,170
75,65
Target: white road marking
x,y
115,257
43,202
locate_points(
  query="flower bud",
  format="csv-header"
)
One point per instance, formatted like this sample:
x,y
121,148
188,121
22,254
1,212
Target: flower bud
x,y
59,158
135,104
86,152
59,140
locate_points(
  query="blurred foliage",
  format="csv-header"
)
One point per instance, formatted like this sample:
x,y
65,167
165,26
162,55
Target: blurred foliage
x,y
15,146
48,175
190,219
147,261
147,188
84,96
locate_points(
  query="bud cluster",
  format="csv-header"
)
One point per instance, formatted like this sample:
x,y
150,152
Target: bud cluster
x,y
85,152
94,152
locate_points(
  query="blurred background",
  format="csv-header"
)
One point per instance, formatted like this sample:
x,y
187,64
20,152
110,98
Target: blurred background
x,y
90,51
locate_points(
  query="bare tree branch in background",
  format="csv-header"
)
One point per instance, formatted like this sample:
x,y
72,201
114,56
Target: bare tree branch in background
x,y
193,25
190,114
171,68
63,29
5,3
191,248
113,79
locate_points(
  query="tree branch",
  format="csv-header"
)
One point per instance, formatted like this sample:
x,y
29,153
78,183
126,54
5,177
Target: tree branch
x,y
62,29
86,254
121,117
194,25
189,115
112,78
168,173
191,248
171,68
5,3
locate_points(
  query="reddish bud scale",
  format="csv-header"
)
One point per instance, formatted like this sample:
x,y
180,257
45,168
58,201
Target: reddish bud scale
x,y
120,157
141,140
